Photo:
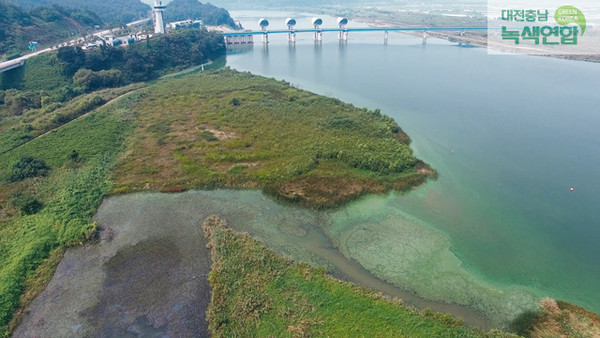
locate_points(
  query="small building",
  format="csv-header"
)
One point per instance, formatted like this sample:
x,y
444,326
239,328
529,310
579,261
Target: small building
x,y
90,46
185,24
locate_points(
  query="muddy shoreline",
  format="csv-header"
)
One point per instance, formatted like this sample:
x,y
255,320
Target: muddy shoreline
x,y
147,273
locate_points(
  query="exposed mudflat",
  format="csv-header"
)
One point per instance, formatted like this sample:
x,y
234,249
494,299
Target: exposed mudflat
x,y
145,277
147,273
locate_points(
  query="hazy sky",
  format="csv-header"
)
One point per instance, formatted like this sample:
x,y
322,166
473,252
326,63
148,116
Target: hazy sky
x,y
590,7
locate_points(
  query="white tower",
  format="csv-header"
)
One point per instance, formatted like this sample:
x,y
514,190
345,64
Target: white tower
x,y
342,23
317,22
291,24
159,23
264,24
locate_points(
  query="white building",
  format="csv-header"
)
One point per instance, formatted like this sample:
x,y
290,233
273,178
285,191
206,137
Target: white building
x,y
185,24
159,23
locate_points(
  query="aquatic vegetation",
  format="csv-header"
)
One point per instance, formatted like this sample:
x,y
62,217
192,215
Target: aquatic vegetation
x,y
412,255
298,146
258,293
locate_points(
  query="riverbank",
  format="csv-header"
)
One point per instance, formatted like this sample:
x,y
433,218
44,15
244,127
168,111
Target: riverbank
x,y
151,246
276,296
255,133
209,133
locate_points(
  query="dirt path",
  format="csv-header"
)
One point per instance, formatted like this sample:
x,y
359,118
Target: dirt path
x,y
78,118
75,119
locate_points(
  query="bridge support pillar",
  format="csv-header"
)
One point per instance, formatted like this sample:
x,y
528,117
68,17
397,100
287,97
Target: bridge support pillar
x,y
318,36
424,37
343,33
385,37
266,38
292,37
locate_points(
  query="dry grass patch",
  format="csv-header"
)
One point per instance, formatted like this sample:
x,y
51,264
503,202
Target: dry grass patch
x,y
561,319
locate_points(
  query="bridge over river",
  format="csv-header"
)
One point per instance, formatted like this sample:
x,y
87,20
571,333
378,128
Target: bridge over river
x,y
342,31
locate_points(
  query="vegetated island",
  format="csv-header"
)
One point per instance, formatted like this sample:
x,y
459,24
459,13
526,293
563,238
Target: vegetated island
x,y
207,130
232,129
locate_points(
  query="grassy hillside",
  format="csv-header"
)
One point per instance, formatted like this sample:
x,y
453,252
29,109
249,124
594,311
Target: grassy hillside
x,y
237,130
47,92
44,25
257,293
138,62
67,199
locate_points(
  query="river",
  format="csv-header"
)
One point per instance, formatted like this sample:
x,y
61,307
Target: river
x,y
509,135
499,229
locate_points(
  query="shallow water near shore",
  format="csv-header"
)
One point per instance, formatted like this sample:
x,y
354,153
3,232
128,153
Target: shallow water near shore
x,y
147,273
509,136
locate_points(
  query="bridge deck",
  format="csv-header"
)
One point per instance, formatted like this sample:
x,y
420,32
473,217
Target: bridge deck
x,y
415,29
12,64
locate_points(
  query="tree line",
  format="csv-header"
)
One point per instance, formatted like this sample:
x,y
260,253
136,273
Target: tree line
x,y
110,66
141,61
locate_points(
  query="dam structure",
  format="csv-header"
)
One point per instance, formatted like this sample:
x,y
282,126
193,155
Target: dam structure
x,y
342,31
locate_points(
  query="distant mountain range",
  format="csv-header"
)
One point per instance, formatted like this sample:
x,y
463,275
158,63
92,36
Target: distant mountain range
x,y
192,9
110,11
44,24
44,21
123,11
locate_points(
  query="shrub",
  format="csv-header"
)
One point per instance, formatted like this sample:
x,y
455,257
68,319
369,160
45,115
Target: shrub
x,y
207,135
27,204
60,119
235,101
342,123
91,80
73,159
525,322
19,101
28,167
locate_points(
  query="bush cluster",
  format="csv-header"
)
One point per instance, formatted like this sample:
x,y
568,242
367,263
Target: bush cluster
x,y
27,204
28,167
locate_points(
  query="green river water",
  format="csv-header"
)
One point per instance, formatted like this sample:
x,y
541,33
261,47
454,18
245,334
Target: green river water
x,y
509,135
499,228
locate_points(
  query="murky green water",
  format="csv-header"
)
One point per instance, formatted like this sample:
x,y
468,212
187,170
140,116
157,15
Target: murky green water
x,y
509,135
148,272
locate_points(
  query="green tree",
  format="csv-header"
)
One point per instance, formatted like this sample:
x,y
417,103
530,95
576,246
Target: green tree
x,y
28,167
91,80
72,59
